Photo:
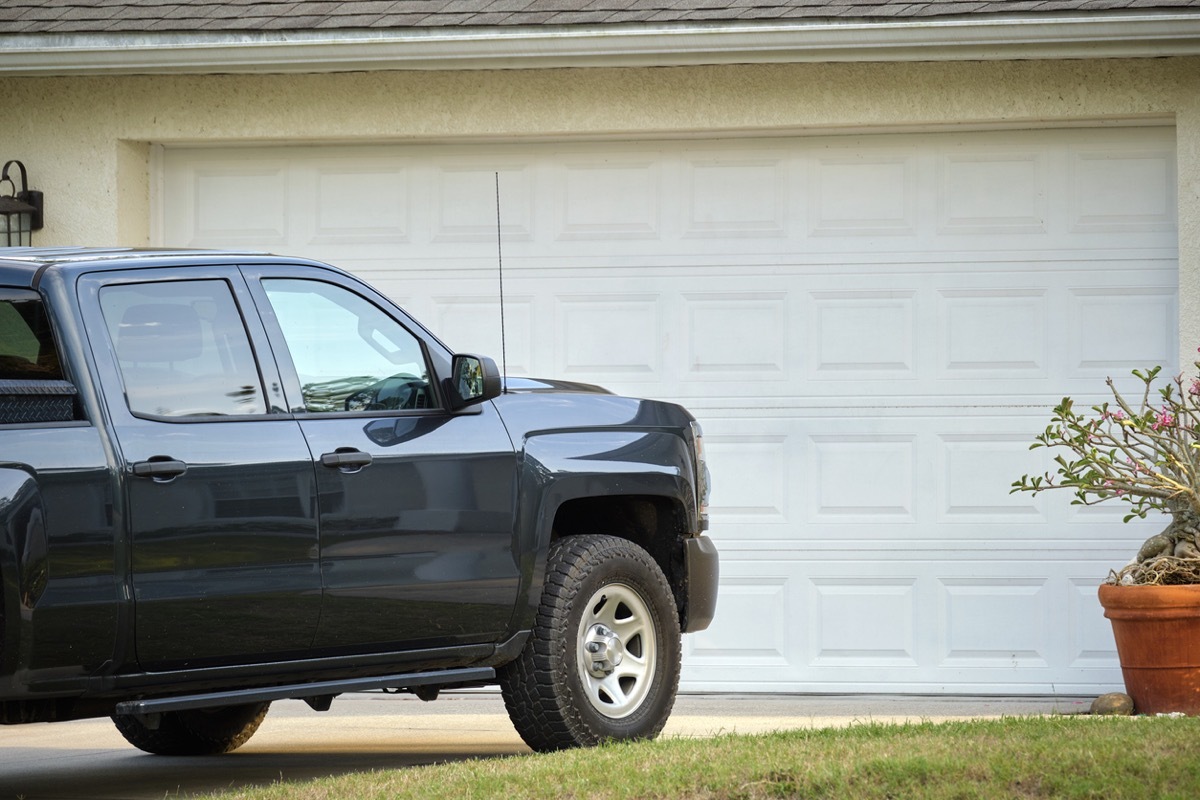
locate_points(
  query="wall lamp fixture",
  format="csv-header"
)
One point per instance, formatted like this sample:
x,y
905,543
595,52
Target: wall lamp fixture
x,y
20,211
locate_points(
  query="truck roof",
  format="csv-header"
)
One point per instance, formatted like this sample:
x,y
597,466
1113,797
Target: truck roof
x,y
22,266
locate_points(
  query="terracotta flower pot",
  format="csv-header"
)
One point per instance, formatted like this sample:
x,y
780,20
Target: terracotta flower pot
x,y
1157,629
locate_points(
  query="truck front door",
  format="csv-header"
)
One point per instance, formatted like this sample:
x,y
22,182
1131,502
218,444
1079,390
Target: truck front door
x,y
219,484
416,503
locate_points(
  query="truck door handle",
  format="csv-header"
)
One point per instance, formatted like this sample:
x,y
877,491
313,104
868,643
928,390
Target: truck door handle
x,y
159,468
347,459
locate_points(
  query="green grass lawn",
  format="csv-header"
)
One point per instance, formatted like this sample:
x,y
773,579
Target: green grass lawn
x,y
1056,756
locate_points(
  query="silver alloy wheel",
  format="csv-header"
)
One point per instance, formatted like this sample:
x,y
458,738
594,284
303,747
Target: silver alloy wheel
x,y
617,650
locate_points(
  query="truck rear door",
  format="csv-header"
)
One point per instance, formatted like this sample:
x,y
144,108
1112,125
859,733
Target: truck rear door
x,y
219,485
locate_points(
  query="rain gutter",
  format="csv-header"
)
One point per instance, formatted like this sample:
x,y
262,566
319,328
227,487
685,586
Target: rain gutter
x,y
1107,35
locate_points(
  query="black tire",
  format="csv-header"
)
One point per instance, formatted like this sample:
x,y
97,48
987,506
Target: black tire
x,y
561,694
199,732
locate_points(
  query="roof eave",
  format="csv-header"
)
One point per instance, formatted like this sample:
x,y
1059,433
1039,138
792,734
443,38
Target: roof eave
x,y
1114,35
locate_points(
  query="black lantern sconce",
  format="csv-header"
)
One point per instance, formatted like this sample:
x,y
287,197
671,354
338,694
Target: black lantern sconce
x,y
20,212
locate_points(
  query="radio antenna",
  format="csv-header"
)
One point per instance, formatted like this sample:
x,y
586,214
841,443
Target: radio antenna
x,y
500,264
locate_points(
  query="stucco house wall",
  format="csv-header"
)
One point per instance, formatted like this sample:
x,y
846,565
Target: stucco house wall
x,y
90,143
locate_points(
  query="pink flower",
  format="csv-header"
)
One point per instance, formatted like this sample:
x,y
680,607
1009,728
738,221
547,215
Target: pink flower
x,y
1195,387
1163,419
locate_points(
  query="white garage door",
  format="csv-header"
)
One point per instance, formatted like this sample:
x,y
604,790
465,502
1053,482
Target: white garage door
x,y
871,329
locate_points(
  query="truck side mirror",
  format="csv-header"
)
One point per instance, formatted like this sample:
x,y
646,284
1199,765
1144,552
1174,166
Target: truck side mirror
x,y
473,379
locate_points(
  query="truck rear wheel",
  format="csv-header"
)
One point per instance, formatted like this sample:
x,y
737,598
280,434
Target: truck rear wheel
x,y
197,732
603,660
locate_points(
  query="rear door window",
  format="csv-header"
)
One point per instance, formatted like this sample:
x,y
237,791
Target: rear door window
x,y
182,349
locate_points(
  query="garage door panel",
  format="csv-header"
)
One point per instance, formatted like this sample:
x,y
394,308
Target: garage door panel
x,y
993,333
843,475
882,615
463,202
862,335
754,464
1113,327
858,194
870,328
737,336
1015,203
865,476
994,621
609,336
1121,188
612,201
730,197
1048,191
912,622
238,204
974,471
336,212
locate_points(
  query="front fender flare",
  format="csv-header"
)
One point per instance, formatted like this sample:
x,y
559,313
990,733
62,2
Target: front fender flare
x,y
561,467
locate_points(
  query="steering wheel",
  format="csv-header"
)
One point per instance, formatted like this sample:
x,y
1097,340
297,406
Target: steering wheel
x,y
397,393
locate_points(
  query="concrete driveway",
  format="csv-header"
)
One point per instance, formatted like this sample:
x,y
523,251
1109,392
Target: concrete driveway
x,y
89,759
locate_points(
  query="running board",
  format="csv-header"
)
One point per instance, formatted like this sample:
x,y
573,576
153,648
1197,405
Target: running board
x,y
304,691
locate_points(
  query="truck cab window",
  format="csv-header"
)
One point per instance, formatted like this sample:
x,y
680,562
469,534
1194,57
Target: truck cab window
x,y
27,349
32,387
182,349
348,354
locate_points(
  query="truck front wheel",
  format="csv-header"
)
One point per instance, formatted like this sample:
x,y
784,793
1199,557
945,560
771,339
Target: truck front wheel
x,y
603,660
199,732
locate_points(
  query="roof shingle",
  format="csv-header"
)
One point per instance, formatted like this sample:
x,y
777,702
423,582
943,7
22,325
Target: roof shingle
x,y
96,16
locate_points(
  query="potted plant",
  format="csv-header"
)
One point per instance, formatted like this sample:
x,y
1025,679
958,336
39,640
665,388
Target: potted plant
x,y
1148,456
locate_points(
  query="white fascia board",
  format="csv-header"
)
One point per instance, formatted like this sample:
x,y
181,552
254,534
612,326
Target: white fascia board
x,y
1097,36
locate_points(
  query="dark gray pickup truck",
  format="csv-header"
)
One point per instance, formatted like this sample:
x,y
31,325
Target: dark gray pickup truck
x,y
232,478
